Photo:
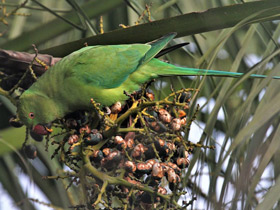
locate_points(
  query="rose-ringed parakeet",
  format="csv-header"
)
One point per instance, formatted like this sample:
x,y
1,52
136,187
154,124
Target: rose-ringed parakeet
x,y
99,72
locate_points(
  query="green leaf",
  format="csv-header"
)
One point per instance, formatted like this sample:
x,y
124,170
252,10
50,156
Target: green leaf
x,y
184,25
11,139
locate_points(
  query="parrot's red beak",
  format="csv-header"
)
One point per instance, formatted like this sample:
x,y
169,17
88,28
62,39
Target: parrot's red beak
x,y
42,129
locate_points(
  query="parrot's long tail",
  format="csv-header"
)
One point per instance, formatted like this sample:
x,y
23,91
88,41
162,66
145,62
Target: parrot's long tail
x,y
164,69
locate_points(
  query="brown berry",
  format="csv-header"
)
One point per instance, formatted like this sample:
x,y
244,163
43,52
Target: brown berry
x,y
182,162
30,151
130,166
176,124
85,129
157,171
14,121
164,116
73,139
138,151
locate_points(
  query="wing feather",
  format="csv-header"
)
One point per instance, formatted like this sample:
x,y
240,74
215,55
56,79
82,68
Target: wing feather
x,y
106,66
109,66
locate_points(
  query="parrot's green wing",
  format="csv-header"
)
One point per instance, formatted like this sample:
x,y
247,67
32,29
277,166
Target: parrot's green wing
x,y
92,65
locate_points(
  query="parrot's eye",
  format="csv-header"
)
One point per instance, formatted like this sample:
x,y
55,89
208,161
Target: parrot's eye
x,y
31,115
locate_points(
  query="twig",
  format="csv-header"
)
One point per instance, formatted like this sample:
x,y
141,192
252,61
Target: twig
x,y
26,72
102,191
8,96
45,204
5,15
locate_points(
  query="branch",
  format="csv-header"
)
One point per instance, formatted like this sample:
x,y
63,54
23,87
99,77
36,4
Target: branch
x,y
17,62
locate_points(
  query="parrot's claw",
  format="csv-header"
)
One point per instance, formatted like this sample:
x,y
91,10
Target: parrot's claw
x,y
109,123
108,110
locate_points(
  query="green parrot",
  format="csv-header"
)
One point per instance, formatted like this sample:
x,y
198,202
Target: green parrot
x,y
99,72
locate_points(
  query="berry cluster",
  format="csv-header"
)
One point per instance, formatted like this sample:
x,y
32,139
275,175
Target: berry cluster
x,y
136,151
148,148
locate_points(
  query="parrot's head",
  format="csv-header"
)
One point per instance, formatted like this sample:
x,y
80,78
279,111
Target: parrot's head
x,y
36,111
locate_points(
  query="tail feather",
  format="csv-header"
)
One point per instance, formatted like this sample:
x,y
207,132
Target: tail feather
x,y
164,69
170,49
155,68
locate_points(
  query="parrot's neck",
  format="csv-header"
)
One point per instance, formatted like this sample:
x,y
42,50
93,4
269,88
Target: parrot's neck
x,y
50,109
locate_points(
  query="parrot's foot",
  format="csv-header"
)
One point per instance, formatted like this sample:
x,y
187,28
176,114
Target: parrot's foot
x,y
113,117
109,123
107,110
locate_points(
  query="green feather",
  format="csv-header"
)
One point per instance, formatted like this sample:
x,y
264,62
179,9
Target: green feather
x,y
156,47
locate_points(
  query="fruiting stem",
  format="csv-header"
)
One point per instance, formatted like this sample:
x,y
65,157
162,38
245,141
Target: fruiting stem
x,y
102,191
119,181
